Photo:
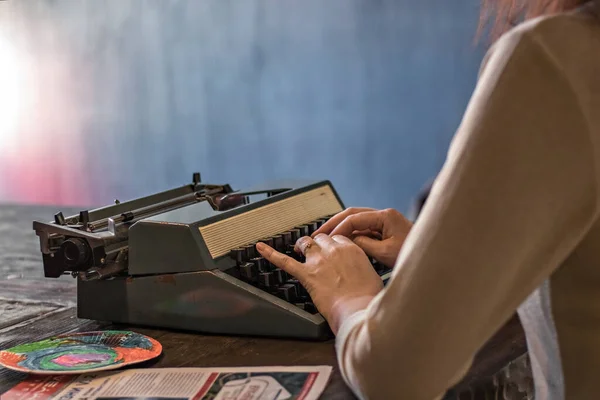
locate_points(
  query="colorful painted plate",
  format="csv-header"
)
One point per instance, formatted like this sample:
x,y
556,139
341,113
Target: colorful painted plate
x,y
76,353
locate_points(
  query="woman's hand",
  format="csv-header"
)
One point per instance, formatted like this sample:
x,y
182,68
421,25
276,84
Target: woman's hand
x,y
361,224
337,275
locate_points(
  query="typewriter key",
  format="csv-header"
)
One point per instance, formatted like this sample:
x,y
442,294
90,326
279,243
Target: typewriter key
x,y
278,243
267,279
303,230
287,292
250,251
248,272
310,308
287,239
280,275
262,264
268,241
295,235
300,290
238,255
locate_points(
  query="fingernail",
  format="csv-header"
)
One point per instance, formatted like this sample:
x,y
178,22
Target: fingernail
x,y
260,246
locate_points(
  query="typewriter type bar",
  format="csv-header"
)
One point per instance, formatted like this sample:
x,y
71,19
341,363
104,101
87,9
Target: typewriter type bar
x,y
186,258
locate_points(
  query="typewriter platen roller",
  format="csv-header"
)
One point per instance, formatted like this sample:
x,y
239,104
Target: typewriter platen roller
x,y
186,258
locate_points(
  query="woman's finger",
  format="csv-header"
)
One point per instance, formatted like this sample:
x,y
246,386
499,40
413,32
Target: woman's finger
x,y
368,233
282,261
305,245
341,239
328,226
373,248
324,241
368,220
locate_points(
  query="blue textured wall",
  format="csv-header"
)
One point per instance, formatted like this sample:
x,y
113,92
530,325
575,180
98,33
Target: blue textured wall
x,y
123,98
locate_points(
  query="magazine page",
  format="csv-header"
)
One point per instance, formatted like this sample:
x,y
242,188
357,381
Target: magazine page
x,y
256,383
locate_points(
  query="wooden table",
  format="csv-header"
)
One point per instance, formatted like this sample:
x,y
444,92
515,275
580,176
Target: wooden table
x,y
33,307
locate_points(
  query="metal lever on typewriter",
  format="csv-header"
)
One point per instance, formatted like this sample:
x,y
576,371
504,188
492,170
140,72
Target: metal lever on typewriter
x,y
228,201
205,194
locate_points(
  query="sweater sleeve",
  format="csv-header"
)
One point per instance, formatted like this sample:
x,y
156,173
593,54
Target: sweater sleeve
x,y
516,194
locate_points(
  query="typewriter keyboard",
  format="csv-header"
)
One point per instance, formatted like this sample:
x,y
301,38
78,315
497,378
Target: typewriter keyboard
x,y
259,272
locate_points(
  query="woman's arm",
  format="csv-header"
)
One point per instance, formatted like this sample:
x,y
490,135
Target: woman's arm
x,y
506,346
517,193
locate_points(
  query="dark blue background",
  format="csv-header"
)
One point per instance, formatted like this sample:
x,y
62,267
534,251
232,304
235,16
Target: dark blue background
x,y
133,96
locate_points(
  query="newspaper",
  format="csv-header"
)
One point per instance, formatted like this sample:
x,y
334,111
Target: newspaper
x,y
255,383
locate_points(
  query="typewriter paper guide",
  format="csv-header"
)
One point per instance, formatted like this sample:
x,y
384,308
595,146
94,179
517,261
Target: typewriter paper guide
x,y
222,236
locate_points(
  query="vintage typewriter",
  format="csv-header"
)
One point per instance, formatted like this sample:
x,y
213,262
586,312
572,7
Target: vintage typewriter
x,y
186,258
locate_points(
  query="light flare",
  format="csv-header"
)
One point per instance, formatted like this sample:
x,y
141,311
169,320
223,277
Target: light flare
x,y
12,95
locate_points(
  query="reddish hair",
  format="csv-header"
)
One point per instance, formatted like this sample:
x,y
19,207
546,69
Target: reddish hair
x,y
504,14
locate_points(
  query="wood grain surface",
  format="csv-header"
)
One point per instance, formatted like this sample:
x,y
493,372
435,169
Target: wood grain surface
x,y
13,312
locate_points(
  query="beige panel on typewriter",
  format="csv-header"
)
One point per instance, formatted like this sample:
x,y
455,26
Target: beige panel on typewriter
x,y
249,227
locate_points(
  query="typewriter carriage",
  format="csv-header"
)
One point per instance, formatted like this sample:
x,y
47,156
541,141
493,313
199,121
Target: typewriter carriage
x,y
94,244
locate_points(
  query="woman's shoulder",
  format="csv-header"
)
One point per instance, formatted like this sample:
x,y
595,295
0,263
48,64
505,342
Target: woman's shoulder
x,y
567,43
539,81
563,36
578,20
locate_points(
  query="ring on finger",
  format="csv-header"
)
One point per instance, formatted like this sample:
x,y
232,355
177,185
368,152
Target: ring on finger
x,y
306,244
